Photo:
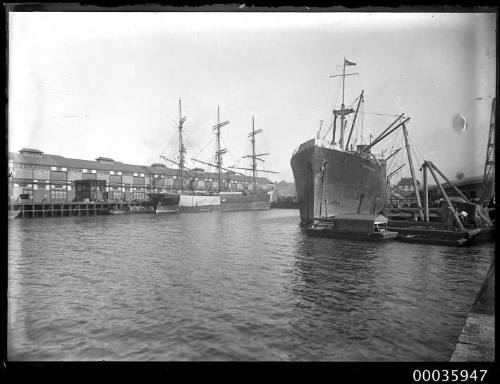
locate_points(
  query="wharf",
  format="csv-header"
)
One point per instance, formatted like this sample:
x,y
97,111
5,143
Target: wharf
x,y
477,340
30,210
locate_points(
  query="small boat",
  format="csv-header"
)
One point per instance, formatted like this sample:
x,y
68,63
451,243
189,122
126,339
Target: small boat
x,y
428,235
166,209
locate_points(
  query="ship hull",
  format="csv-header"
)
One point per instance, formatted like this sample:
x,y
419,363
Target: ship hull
x,y
353,183
223,202
232,202
165,202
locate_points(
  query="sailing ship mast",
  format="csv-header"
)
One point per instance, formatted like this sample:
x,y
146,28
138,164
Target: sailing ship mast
x,y
219,152
182,149
254,156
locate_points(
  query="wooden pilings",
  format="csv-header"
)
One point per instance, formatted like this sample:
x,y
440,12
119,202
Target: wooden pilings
x,y
34,210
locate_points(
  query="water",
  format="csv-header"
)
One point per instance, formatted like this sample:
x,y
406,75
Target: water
x,y
230,286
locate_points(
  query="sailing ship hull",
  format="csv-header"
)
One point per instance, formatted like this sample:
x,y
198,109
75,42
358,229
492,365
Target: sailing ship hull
x,y
224,202
354,183
230,202
199,203
165,202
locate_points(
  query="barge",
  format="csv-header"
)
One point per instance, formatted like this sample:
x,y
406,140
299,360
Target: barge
x,y
458,223
355,226
424,234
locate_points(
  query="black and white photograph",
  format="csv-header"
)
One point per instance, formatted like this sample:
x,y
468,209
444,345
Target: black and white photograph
x,y
191,185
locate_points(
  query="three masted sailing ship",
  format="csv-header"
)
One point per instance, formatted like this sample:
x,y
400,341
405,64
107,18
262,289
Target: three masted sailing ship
x,y
222,199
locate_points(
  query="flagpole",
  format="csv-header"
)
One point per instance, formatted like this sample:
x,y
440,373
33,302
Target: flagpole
x,y
342,112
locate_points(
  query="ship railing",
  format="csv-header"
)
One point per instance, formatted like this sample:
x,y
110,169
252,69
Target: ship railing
x,y
326,144
303,146
378,156
312,143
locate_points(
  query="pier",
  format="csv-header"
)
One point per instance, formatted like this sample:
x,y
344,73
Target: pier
x,y
477,340
29,210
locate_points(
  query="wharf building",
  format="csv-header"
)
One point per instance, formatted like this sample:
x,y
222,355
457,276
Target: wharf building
x,y
42,178
475,188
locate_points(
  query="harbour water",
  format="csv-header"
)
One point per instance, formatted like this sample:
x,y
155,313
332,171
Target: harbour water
x,y
230,286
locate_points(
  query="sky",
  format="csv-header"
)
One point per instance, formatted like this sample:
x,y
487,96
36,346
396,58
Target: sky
x,y
85,85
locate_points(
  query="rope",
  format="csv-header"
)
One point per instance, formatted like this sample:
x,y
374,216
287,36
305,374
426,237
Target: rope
x,y
203,148
228,153
414,150
362,124
312,133
265,148
170,142
335,100
337,95
192,143
381,114
392,160
329,128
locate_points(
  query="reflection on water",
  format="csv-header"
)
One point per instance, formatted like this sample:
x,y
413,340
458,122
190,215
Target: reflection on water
x,y
230,286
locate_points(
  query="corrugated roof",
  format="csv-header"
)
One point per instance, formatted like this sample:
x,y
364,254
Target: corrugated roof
x,y
34,150
60,161
101,158
460,183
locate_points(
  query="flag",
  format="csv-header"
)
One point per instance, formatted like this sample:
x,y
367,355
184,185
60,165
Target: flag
x,y
347,62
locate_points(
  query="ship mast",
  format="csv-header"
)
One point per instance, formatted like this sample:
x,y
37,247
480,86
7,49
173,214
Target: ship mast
x,y
354,120
342,112
219,152
182,149
254,156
